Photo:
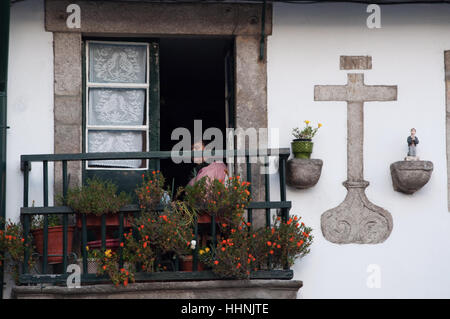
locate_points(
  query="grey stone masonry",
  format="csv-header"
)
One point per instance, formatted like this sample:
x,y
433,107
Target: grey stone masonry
x,y
143,18
214,289
355,62
67,103
410,176
356,219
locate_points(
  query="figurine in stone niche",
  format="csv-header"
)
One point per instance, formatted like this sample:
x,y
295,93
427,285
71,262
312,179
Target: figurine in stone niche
x,y
412,143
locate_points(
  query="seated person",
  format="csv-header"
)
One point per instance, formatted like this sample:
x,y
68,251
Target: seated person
x,y
215,170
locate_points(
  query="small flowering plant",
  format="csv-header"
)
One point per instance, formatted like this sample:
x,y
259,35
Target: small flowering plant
x,y
246,250
13,247
151,190
223,198
307,132
168,232
287,241
108,264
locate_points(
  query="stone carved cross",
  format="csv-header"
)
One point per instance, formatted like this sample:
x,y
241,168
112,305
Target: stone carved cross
x,y
356,219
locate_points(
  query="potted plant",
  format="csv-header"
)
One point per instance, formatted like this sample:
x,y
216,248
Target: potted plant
x,y
246,249
167,234
13,247
302,145
95,199
215,197
55,237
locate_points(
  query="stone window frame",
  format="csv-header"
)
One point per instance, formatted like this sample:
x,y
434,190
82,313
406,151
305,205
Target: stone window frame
x,y
151,20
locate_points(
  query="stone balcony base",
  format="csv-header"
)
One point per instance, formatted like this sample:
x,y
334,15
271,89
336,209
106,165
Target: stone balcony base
x,y
213,289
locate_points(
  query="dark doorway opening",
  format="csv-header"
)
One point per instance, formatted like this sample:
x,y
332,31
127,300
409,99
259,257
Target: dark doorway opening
x,y
192,87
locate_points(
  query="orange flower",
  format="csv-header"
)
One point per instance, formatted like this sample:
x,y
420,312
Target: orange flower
x,y
216,262
271,252
278,246
125,283
104,267
223,248
121,244
238,265
300,243
269,243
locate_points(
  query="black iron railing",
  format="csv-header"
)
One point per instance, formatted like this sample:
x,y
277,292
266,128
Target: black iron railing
x,y
29,276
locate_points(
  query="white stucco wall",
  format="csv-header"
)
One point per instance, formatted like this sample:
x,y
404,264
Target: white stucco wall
x,y
30,101
303,51
407,51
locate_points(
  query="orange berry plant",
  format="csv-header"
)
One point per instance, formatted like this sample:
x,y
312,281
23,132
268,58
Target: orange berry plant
x,y
222,198
13,247
151,190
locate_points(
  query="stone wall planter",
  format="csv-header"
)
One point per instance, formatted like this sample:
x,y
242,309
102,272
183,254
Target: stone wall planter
x,y
410,176
211,289
303,173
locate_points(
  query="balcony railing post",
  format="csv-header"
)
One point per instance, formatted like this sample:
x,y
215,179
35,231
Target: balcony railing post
x,y
45,200
267,189
26,219
249,179
195,253
65,217
84,243
121,239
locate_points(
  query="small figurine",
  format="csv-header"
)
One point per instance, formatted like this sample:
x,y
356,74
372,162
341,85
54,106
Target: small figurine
x,y
412,142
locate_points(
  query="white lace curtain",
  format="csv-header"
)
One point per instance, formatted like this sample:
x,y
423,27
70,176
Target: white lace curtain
x,y
115,107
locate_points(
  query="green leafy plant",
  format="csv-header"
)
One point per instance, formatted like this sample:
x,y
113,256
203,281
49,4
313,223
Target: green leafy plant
x,y
307,132
97,197
37,221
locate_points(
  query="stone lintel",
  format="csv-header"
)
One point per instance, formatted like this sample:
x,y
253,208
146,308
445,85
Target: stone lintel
x,y
144,18
355,62
212,289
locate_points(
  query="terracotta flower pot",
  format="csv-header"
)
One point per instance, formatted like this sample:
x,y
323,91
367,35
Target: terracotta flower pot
x,y
54,243
205,218
96,221
186,264
302,148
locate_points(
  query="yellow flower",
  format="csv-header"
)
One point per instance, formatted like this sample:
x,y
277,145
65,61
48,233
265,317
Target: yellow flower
x,y
207,249
320,124
307,122
87,247
108,253
201,252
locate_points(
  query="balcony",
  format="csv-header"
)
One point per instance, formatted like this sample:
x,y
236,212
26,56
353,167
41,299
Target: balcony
x,y
76,252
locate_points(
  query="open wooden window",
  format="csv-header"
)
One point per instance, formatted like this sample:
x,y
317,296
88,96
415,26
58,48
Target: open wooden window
x,y
117,90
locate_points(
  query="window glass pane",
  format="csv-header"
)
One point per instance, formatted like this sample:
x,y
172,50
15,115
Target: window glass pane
x,y
117,63
116,141
116,107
